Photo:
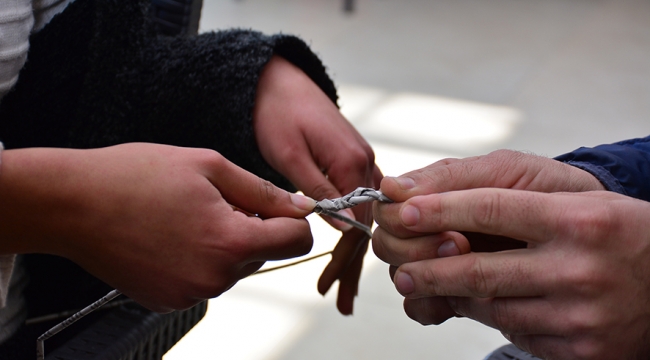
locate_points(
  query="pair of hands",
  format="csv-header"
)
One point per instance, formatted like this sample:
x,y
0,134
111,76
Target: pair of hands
x,y
160,223
563,267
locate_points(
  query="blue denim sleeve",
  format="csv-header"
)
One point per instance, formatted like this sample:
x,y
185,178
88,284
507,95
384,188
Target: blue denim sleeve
x,y
623,167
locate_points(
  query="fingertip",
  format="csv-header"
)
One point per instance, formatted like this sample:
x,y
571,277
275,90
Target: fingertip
x,y
399,183
302,202
404,182
448,248
345,301
404,283
325,281
410,215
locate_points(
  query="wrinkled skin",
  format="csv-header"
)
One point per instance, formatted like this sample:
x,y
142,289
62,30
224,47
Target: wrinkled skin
x,y
561,275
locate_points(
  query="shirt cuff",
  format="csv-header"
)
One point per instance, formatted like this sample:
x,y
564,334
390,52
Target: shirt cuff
x,y
605,177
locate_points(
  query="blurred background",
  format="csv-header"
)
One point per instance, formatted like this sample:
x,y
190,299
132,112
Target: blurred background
x,y
423,80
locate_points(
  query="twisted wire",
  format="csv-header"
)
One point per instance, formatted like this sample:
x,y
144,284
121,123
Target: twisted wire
x,y
40,342
359,196
330,207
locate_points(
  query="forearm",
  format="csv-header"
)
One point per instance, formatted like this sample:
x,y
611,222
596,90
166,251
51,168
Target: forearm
x,y
38,193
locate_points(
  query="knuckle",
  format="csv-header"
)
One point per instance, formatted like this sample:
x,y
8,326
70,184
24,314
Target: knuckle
x,y
431,281
586,277
488,209
594,223
267,192
361,158
321,191
444,175
288,154
357,162
210,157
584,320
477,281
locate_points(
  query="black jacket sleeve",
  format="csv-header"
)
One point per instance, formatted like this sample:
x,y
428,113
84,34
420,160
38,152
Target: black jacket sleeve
x,y
623,167
100,75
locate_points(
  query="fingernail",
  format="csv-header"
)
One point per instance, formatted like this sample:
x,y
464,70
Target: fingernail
x,y
404,283
410,215
405,183
303,202
448,248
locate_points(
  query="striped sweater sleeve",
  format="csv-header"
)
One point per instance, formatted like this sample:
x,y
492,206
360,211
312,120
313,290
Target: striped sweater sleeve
x,y
16,22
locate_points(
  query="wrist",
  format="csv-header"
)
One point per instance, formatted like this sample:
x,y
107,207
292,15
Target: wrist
x,y
36,197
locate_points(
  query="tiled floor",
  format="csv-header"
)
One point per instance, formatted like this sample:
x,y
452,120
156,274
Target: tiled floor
x,y
471,76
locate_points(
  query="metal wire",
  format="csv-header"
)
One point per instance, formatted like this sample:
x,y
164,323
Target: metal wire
x,y
40,342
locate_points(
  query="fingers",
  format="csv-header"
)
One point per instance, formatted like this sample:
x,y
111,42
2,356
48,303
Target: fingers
x,y
441,176
342,256
274,238
251,193
481,275
523,215
429,310
395,251
499,169
514,315
349,282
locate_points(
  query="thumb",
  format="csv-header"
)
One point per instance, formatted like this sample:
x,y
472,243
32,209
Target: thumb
x,y
255,195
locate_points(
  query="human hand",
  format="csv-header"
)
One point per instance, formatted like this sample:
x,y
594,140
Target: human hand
x,y
156,222
579,291
505,169
302,135
499,169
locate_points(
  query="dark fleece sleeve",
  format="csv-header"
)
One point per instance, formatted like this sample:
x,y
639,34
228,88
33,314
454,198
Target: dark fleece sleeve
x,y
99,75
623,167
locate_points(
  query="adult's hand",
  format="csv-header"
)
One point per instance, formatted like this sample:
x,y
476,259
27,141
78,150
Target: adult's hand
x,y
500,169
505,169
579,291
302,134
156,222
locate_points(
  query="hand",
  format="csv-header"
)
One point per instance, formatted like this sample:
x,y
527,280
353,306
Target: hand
x,y
579,290
500,169
156,222
505,169
302,134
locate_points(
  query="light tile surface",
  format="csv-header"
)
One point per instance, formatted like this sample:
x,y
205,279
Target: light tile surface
x,y
423,80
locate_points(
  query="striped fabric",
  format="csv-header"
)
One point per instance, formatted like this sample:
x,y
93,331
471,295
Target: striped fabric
x,y
18,19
